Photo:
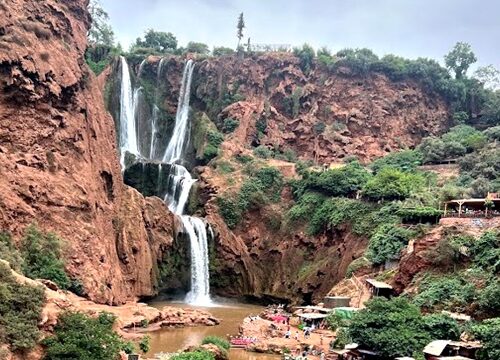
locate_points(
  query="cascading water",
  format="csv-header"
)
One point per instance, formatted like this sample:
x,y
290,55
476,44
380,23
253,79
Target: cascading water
x,y
179,184
128,133
179,181
180,135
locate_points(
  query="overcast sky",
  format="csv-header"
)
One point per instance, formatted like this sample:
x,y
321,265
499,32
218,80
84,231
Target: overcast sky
x,y
410,28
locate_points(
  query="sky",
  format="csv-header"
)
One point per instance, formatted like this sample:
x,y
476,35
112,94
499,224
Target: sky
x,y
409,28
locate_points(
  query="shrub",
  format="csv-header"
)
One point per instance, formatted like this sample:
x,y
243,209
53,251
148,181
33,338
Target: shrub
x,y
450,292
9,253
357,264
144,344
263,152
392,328
78,336
406,160
229,210
335,321
20,311
306,206
194,355
221,343
485,251
488,332
230,125
441,326
387,242
342,338
392,184
222,51
306,56
43,257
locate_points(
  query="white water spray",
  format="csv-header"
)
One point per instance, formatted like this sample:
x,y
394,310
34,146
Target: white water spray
x,y
180,135
128,133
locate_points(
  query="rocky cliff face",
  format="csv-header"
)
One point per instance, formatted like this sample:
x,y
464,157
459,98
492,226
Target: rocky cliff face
x,y
58,156
322,116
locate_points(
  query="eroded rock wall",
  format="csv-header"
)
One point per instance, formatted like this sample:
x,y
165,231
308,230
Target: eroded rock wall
x,y
59,164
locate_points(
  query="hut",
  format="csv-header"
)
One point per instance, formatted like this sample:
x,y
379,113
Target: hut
x,y
379,288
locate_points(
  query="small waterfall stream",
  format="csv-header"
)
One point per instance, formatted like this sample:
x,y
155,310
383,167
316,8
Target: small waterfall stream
x,y
179,181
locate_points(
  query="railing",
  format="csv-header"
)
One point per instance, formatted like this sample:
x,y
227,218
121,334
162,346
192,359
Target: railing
x,y
473,215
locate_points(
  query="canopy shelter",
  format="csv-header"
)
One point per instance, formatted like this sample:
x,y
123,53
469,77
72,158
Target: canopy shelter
x,y
379,288
314,308
481,207
345,312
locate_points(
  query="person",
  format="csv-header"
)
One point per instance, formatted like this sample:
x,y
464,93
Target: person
x,y
296,335
321,339
322,356
288,334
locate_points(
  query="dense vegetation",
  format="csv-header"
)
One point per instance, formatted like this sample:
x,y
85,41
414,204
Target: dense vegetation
x,y
20,311
397,328
81,337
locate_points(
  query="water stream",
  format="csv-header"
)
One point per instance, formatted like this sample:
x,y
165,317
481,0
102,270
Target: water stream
x,y
178,181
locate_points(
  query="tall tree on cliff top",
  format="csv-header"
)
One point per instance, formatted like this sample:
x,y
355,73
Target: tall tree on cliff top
x,y
100,33
240,26
459,59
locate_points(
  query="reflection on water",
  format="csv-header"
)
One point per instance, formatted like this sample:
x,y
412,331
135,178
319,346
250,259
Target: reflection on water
x,y
231,315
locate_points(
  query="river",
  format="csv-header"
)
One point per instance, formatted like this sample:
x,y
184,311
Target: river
x,y
229,312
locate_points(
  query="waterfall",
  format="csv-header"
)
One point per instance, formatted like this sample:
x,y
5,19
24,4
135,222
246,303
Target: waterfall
x,y
178,181
180,135
179,184
128,134
200,288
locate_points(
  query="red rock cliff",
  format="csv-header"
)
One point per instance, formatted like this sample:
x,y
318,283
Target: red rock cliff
x,y
58,156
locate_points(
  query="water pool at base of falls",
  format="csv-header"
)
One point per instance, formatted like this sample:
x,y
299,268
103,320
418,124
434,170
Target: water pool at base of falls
x,y
231,313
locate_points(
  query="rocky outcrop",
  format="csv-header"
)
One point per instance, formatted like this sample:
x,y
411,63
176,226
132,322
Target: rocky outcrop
x,y
58,156
323,115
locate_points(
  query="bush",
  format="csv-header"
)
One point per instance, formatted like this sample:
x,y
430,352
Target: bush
x,y
485,251
488,332
306,56
392,328
345,181
144,344
222,51
386,244
9,253
229,210
263,152
442,327
20,311
230,125
392,184
78,336
450,292
221,343
306,206
406,160
335,321
43,257
194,355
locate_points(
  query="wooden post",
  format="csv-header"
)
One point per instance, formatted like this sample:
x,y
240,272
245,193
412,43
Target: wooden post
x,y
445,208
460,203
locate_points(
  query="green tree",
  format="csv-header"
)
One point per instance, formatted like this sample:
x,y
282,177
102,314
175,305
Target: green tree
x,y
194,355
80,337
222,51
240,26
405,160
158,40
441,326
198,48
392,184
387,242
489,76
459,59
100,32
391,327
9,253
306,56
